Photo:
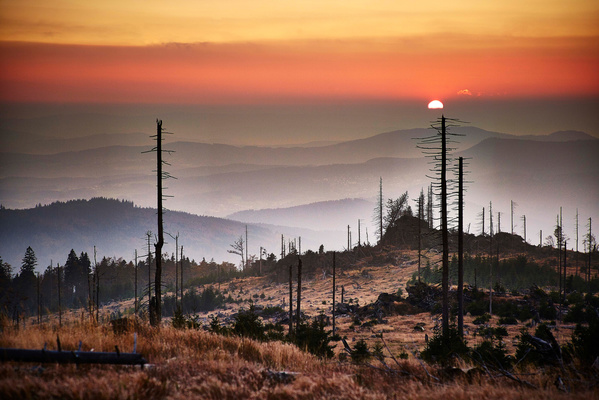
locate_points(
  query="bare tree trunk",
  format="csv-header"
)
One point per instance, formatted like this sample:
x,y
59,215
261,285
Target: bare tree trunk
x,y
97,273
420,220
460,248
444,233
299,293
181,286
381,209
334,288
135,304
149,234
290,299
59,297
565,255
176,270
39,299
158,245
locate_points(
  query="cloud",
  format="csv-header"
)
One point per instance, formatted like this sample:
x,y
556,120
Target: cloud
x,y
464,92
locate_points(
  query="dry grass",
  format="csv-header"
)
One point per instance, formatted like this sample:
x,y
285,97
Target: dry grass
x,y
199,364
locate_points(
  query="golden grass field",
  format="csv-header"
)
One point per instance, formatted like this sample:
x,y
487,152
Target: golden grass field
x,y
199,364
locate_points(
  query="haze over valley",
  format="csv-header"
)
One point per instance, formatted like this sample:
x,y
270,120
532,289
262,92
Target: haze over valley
x,y
313,190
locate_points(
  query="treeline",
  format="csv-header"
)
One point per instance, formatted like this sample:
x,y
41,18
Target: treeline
x,y
505,275
82,283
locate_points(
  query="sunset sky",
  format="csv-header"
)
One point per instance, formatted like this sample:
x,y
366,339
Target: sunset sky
x,y
241,52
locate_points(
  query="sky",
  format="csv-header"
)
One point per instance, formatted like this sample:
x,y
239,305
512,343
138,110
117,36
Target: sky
x,y
272,52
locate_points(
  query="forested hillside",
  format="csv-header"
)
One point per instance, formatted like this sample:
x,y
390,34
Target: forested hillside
x,y
117,228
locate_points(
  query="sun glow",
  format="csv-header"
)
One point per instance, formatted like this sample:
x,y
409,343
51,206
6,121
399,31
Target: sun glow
x,y
435,104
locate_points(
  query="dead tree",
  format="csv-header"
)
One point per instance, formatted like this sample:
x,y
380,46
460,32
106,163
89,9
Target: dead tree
x,y
238,247
440,161
290,299
299,293
97,275
378,212
460,248
334,288
135,303
429,206
149,236
590,240
59,296
160,176
181,286
565,256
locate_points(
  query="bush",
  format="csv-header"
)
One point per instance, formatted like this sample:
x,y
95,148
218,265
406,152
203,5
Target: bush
x,y
361,353
547,310
442,351
531,350
477,308
483,319
178,320
314,338
248,324
584,340
492,353
508,321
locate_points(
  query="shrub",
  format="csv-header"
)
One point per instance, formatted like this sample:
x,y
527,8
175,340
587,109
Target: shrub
x,y
492,350
313,338
248,324
584,340
547,310
178,320
442,351
361,353
483,319
377,352
492,353
540,349
477,308
508,321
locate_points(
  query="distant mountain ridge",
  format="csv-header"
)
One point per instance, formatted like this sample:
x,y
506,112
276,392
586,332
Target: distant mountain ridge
x,y
28,143
560,136
118,227
121,159
319,215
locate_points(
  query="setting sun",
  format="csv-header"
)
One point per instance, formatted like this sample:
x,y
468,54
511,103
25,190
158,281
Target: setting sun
x,y
435,104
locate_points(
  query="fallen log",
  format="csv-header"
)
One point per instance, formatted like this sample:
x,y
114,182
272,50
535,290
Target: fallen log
x,y
70,357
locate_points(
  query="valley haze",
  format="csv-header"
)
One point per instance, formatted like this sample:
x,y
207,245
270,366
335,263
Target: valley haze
x,y
313,189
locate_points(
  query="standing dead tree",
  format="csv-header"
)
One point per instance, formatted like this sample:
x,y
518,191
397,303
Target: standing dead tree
x,y
156,303
290,299
299,293
334,288
238,247
378,212
435,147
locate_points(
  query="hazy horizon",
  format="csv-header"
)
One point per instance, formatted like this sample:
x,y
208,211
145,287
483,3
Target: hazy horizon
x,y
299,123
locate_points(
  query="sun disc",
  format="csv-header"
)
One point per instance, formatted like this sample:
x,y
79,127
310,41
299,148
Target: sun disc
x,y
435,104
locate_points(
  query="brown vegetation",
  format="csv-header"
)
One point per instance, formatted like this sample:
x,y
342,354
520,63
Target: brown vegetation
x,y
199,364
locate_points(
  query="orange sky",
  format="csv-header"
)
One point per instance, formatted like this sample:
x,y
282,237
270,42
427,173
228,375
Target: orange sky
x,y
238,51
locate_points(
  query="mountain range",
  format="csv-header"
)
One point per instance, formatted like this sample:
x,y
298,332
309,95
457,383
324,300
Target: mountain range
x,y
117,228
305,186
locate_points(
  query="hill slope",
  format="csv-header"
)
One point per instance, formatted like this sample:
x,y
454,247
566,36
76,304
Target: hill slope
x,y
117,228
320,215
